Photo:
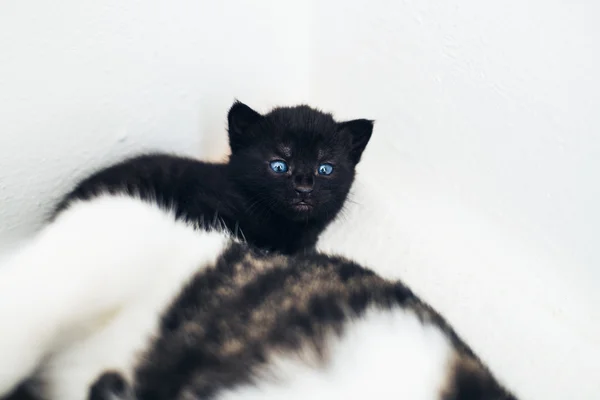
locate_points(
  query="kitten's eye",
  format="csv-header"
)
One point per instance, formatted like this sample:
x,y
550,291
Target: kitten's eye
x,y
279,166
325,169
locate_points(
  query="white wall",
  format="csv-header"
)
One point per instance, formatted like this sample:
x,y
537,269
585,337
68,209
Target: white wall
x,y
486,149
479,187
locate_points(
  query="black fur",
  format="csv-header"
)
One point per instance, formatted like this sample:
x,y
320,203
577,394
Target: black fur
x,y
111,385
245,195
224,325
23,392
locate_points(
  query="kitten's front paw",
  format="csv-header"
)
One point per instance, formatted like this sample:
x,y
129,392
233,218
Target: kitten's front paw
x,y
110,385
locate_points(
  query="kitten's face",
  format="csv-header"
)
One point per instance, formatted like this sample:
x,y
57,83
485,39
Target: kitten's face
x,y
298,162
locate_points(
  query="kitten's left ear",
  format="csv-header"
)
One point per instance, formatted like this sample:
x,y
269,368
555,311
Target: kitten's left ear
x,y
360,131
239,119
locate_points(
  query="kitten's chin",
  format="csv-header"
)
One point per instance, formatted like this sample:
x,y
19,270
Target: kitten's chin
x,y
301,210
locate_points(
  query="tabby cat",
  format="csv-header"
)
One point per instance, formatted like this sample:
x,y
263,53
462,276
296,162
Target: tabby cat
x,y
119,299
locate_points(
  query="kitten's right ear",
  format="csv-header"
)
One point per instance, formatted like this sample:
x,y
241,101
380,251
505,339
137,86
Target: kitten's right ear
x,y
360,131
239,119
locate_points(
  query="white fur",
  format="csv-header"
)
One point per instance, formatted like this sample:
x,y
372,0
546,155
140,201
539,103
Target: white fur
x,y
384,355
86,292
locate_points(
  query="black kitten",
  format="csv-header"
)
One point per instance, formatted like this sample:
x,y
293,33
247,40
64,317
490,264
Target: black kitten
x,y
288,177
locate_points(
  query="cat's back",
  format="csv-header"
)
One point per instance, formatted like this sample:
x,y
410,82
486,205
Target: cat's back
x,y
185,185
306,327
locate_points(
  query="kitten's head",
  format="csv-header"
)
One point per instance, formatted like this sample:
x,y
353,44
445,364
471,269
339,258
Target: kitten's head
x,y
297,161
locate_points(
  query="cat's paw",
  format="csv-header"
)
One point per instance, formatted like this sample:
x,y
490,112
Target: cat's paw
x,y
110,385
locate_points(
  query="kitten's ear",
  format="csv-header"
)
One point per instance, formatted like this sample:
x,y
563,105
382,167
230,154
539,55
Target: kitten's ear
x,y
239,119
360,131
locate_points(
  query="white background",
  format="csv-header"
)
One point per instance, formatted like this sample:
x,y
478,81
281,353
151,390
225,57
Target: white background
x,y
480,186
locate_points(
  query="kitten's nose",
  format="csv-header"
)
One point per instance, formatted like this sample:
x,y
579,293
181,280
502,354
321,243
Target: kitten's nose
x,y
303,189
303,184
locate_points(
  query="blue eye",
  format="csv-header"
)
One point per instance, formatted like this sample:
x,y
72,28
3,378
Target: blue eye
x,y
325,169
279,166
